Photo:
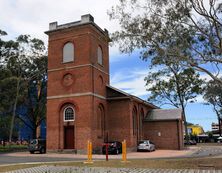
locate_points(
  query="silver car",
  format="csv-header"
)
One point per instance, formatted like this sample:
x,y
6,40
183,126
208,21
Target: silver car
x,y
145,145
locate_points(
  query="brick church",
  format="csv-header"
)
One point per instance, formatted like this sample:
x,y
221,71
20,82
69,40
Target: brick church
x,y
81,104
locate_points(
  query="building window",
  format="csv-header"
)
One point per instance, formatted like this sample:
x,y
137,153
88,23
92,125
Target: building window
x,y
100,55
69,114
100,121
134,122
141,117
68,52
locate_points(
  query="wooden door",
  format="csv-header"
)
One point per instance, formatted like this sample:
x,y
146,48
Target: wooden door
x,y
69,137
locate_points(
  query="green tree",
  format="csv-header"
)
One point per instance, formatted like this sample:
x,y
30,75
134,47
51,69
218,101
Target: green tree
x,y
35,101
7,48
31,65
213,95
183,31
7,91
7,84
25,64
174,86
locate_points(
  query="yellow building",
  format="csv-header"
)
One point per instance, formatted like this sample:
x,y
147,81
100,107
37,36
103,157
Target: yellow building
x,y
195,129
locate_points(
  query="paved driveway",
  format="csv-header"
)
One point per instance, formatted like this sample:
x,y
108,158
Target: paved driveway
x,y
26,156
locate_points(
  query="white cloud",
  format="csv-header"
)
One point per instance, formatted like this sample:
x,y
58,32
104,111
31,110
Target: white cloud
x,y
200,99
207,78
115,55
130,81
32,17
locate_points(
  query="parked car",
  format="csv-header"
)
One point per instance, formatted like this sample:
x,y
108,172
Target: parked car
x,y
37,145
190,142
114,147
145,145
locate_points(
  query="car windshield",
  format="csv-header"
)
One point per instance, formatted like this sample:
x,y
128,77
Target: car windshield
x,y
34,141
143,142
111,142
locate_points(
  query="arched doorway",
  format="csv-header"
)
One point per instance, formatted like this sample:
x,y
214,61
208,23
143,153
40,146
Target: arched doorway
x,y
69,129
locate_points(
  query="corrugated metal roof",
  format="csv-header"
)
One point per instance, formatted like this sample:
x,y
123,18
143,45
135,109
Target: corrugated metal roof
x,y
164,114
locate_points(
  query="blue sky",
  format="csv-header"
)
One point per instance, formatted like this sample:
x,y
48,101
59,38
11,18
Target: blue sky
x,y
127,72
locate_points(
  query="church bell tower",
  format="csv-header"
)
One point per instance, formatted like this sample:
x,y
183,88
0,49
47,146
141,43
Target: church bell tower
x,y
78,73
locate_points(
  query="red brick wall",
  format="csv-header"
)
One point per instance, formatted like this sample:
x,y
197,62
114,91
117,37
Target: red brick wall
x,y
180,134
55,80
169,131
87,77
85,38
119,120
97,139
82,123
139,107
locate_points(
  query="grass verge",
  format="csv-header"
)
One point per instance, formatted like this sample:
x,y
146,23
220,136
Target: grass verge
x,y
12,148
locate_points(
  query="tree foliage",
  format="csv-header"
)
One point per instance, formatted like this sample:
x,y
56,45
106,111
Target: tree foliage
x,y
174,85
188,32
213,95
23,67
35,101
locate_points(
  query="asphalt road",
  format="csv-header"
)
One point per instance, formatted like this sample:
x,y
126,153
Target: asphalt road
x,y
4,159
204,151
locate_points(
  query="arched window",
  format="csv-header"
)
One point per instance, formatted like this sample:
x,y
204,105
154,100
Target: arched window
x,y
69,114
141,117
68,52
100,55
134,121
100,121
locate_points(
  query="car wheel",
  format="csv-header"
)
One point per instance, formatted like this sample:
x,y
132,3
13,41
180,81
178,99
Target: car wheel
x,y
31,152
42,150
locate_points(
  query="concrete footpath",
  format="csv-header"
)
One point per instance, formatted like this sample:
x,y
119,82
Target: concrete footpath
x,y
131,155
62,169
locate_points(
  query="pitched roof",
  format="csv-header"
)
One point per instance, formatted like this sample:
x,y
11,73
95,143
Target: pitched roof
x,y
164,114
115,94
